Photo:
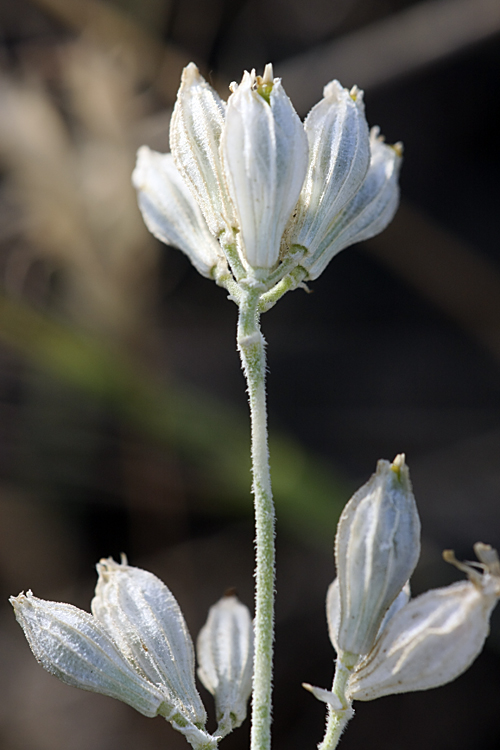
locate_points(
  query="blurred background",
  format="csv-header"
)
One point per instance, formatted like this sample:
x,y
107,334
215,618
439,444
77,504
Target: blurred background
x,y
123,420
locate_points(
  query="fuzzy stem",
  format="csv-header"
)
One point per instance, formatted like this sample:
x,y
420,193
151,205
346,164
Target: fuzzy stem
x,y
338,718
251,346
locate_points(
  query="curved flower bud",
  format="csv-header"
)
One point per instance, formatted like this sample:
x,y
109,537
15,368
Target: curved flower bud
x,y
195,132
171,213
71,645
225,657
368,212
265,153
376,549
434,638
145,621
339,156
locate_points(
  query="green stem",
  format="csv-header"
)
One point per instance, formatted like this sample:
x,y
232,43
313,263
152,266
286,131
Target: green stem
x,y
290,262
288,283
251,346
338,718
228,243
337,721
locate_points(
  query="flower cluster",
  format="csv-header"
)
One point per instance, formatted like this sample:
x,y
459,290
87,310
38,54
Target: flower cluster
x,y
250,188
136,647
386,642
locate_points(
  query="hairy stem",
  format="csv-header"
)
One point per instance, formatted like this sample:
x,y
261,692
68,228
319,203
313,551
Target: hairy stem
x,y
251,346
338,718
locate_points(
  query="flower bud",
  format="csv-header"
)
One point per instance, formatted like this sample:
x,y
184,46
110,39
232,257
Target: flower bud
x,y
145,621
71,645
434,638
339,156
376,549
195,132
265,153
368,212
225,657
171,213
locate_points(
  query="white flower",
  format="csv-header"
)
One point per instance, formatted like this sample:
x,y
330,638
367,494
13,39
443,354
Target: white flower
x,y
273,194
142,616
339,156
265,158
367,213
225,657
195,133
135,647
72,645
172,214
377,547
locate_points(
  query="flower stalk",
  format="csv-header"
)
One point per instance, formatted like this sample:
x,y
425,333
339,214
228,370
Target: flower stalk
x,y
338,718
251,346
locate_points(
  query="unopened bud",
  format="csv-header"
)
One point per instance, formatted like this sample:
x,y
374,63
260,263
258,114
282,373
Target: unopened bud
x,y
143,618
265,152
376,549
171,212
225,656
339,156
195,132
71,645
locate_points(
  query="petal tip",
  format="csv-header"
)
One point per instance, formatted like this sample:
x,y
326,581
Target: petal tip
x,y
191,75
333,90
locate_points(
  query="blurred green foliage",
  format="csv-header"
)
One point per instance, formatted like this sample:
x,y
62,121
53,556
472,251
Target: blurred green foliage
x,y
212,437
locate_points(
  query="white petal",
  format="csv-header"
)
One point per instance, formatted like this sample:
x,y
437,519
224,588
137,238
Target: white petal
x,y
368,212
71,645
376,549
143,618
171,213
428,643
195,131
339,157
265,151
225,657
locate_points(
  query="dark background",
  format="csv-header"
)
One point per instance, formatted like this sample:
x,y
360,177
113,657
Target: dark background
x,y
123,423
